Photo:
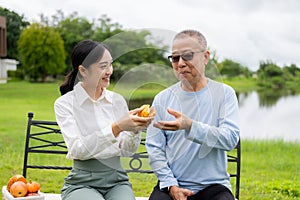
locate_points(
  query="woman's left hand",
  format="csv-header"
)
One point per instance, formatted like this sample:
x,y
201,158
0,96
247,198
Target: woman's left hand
x,y
132,122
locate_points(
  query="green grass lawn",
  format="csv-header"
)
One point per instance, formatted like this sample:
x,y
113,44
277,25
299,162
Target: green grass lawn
x,y
270,169
241,84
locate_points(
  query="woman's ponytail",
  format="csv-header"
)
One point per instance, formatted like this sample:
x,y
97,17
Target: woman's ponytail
x,y
68,85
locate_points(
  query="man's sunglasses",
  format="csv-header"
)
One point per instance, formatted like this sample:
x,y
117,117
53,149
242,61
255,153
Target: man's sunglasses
x,y
185,56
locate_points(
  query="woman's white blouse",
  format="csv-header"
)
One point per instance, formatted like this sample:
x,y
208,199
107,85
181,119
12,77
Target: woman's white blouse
x,y
86,125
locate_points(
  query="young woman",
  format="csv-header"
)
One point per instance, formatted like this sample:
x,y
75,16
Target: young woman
x,y
97,127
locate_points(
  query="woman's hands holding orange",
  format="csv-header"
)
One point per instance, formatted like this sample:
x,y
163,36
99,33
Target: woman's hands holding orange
x,y
133,121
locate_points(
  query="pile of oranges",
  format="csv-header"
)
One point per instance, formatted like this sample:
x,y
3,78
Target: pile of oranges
x,y
19,187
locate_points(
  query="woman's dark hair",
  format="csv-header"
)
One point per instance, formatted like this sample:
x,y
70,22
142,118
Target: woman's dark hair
x,y
84,53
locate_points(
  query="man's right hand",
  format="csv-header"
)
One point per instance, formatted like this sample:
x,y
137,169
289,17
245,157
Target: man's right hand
x,y
178,193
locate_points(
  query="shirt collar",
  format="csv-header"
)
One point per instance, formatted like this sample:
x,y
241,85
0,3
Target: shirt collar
x,y
82,95
106,95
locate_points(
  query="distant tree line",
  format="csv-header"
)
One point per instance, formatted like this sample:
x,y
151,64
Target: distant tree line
x,y
272,76
269,75
43,49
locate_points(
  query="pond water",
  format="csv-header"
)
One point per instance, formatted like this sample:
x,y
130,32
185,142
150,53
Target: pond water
x,y
264,115
269,116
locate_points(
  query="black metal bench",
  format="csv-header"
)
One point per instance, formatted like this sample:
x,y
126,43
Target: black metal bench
x,y
44,137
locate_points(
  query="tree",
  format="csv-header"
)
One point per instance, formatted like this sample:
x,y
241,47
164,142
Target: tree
x,y
131,48
292,69
231,69
41,51
72,30
14,26
268,69
270,75
106,29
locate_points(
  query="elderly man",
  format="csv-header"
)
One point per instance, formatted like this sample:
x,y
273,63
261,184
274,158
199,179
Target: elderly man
x,y
195,124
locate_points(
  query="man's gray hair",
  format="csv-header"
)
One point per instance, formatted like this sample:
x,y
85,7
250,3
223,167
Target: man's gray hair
x,y
193,33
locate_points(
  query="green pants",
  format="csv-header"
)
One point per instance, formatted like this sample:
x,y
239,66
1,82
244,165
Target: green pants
x,y
97,180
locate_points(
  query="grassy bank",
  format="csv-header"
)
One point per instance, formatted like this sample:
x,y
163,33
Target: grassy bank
x,y
241,84
270,169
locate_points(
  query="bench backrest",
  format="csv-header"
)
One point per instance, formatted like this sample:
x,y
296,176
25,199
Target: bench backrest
x,y
44,137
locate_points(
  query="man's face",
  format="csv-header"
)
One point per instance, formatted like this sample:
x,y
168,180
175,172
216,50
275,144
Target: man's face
x,y
192,60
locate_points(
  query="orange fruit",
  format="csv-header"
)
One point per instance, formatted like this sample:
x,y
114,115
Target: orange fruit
x,y
18,189
147,111
14,179
33,186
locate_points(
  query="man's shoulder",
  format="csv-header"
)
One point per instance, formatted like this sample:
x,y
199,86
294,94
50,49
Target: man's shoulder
x,y
168,91
216,85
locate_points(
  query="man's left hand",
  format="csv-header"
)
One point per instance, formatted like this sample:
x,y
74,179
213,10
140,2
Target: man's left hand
x,y
181,122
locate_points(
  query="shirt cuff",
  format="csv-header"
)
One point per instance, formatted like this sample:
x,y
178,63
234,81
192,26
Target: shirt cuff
x,y
197,132
108,135
168,184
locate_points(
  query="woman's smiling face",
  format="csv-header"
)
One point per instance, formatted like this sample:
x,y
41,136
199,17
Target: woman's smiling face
x,y
98,74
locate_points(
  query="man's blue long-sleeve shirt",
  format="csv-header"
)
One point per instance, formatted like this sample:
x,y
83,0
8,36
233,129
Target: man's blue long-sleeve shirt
x,y
196,158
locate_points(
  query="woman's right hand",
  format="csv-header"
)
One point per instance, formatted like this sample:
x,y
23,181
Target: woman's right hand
x,y
131,122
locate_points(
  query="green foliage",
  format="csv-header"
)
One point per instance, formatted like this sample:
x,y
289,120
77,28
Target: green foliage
x,y
269,69
41,51
291,73
292,69
131,48
272,76
72,29
230,68
14,26
106,29
278,82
